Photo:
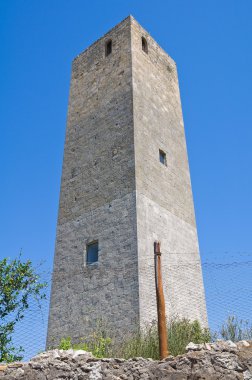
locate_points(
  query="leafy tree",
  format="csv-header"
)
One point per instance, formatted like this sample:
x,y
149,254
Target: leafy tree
x,y
18,285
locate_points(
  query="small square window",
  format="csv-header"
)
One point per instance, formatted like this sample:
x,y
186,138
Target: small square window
x,y
92,253
162,157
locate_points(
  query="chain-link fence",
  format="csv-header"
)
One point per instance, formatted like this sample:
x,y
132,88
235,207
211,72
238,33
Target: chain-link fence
x,y
228,289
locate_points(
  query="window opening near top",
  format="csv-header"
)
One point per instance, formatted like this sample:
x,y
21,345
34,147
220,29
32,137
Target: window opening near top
x,y
162,157
108,47
92,252
144,45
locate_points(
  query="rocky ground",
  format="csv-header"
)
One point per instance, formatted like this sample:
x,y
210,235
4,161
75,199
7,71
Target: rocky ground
x,y
220,360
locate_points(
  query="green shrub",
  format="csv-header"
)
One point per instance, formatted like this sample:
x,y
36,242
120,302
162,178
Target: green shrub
x,y
145,343
65,343
183,331
142,343
96,343
236,329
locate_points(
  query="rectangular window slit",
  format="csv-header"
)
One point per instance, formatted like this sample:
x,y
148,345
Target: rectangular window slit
x,y
162,157
108,47
92,253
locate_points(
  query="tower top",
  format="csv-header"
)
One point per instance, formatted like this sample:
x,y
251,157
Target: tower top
x,y
130,21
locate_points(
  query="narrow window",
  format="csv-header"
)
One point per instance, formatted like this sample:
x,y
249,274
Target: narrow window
x,y
144,45
162,157
108,47
92,253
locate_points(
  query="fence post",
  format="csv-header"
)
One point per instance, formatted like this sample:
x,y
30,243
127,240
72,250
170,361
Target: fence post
x,y
162,331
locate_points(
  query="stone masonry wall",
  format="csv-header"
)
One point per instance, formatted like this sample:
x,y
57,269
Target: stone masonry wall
x,y
216,361
123,108
165,209
97,199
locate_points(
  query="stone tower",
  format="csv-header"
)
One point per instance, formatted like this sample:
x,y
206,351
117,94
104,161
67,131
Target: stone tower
x,y
125,183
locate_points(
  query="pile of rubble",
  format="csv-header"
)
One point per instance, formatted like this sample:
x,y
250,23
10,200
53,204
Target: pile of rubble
x,y
210,361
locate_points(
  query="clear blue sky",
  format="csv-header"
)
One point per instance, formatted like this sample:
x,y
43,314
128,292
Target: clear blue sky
x,y
210,40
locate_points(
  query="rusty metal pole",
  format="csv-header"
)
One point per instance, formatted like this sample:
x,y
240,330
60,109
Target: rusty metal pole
x,y
162,331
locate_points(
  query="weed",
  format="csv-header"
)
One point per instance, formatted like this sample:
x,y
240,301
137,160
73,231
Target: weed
x,y
236,329
145,342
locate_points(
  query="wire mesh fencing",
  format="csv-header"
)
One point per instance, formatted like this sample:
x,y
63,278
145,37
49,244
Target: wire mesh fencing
x,y
228,291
